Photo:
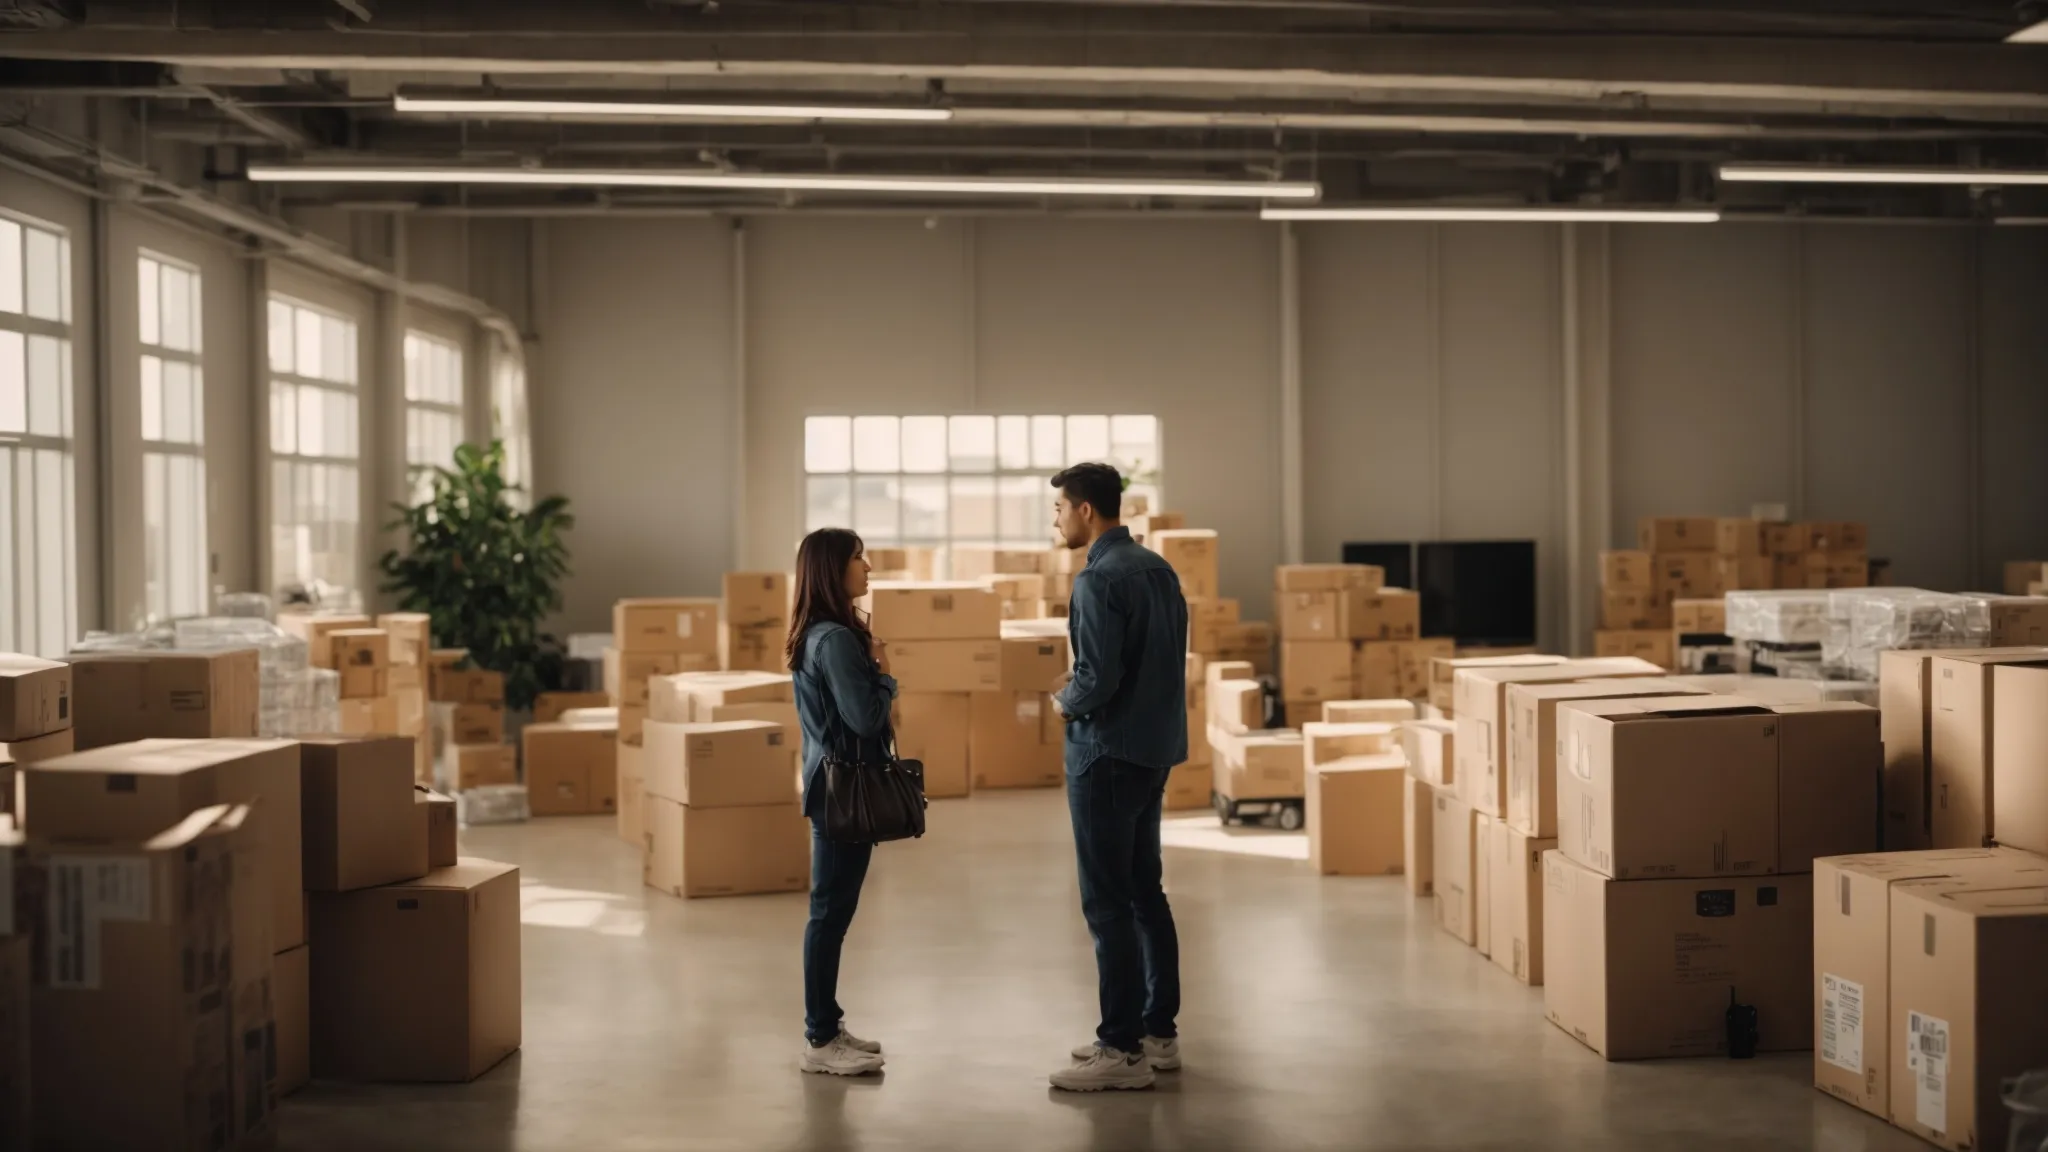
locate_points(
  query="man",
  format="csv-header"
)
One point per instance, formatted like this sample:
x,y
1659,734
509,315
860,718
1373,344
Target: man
x,y
1127,727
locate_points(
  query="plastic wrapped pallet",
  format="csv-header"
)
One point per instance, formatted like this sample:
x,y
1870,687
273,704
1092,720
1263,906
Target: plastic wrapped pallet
x,y
1778,617
245,605
1866,621
493,804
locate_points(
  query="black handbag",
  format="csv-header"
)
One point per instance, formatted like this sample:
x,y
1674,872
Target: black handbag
x,y
871,798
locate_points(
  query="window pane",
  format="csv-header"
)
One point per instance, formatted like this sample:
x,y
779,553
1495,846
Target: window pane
x,y
51,555
177,414
828,444
1013,441
152,398
924,508
973,443
874,444
828,502
64,283
284,418
10,268
23,506
974,508
875,509
148,308
1048,449
340,438
334,341
924,443
45,386
1087,439
155,546
179,291
279,326
13,383
312,422
306,351
64,369
1024,514
413,352
44,257
348,351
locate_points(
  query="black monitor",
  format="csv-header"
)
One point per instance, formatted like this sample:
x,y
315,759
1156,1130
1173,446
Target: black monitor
x,y
1398,560
1480,592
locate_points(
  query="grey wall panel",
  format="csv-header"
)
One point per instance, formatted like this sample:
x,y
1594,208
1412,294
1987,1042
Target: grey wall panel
x,y
1887,415
1178,319
2014,361
1368,370
1704,337
633,418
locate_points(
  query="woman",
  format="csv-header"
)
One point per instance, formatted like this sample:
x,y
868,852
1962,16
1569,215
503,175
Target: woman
x,y
843,694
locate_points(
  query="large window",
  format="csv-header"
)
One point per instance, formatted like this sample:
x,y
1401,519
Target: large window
x,y
176,559
433,406
38,550
315,449
509,423
943,480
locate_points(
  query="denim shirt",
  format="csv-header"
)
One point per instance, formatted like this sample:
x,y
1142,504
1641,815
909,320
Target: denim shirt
x,y
1128,624
838,690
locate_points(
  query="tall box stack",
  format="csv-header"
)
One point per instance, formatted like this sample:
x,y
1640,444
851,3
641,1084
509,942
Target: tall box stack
x,y
1698,820
755,629
1353,779
1192,553
35,720
1964,722
722,815
1742,555
362,659
1818,554
1426,749
650,638
1015,738
411,643
466,725
944,645
1318,606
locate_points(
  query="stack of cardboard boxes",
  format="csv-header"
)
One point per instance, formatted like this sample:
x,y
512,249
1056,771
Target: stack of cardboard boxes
x,y
650,637
2026,578
944,645
411,640
755,629
1353,779
1343,636
466,724
1216,629
35,719
1693,823
572,765
720,808
1428,749
1015,737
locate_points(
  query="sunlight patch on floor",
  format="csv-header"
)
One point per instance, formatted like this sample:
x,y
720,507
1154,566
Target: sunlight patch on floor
x,y
1204,833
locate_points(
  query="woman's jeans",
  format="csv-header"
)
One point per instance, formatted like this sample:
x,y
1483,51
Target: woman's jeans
x,y
837,871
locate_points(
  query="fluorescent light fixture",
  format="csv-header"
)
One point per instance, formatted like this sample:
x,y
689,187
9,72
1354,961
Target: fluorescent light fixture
x,y
1813,174
787,182
1508,213
2031,34
648,110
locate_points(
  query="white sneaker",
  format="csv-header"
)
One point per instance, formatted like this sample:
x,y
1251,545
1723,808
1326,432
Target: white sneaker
x,y
1164,1054
1107,1068
858,1044
840,1058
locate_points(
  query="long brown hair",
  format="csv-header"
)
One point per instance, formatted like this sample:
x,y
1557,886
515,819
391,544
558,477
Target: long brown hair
x,y
821,597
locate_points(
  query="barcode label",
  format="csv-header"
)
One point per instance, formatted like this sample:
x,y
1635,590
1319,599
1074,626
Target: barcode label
x,y
1841,1023
1927,1060
85,892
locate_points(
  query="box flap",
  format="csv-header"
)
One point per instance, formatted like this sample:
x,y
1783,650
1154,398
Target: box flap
x,y
215,818
465,874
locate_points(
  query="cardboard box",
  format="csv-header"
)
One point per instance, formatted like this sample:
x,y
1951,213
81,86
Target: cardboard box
x,y
1376,668
632,721
291,985
190,1046
469,723
1192,553
698,852
411,636
418,981
1009,744
437,820
1323,742
952,611
1676,786
1842,536
570,769
313,628
1740,573
1388,614
756,597
2019,757
1800,570
1012,587
1483,719
358,822
1142,525
1413,659
2019,620
1250,642
1738,536
1443,674
733,765
1312,671
124,696
692,697
947,665
1431,751
1418,840
684,624
1686,575
1906,698
1677,533
447,684
35,697
1328,577
783,714
1830,765
1699,617
1852,918
358,649
753,647
1514,886
1625,570
1631,609
1353,811
972,562
1967,1006
1654,647
466,766
1033,664
1206,620
628,674
1390,711
1534,741
1643,969
1961,768
549,706
1237,706
632,788
932,727
1187,788
1786,539
1262,766
1454,866
369,716
1848,570
1483,827
2021,575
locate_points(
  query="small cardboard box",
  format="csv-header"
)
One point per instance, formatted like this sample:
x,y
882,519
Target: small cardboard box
x,y
1699,617
1514,898
124,696
1640,969
692,697
738,764
666,625
369,716
358,649
1387,614
753,647
313,628
1830,766
628,674
1632,609
1961,768
933,728
1010,746
438,823
1738,536
1852,926
632,720
756,597
1323,742
1654,647
466,766
1626,570
2020,575
1237,706
1413,660
1687,575
1312,671
1376,668
1418,827
570,769
1789,539
1443,672
1206,620
947,665
1454,866
1676,786
418,981
1262,766
1740,573
549,706
1905,698
1143,525
469,723
1192,553
1534,741
972,562
35,697
2019,620
411,636
1353,811
1484,720
1967,1006
1432,752
291,986
1018,587
918,563
1849,570
447,684
1328,577
359,826
934,611
693,852
1033,663
1677,534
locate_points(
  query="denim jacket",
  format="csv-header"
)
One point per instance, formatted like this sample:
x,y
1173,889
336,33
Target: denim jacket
x,y
838,690
1128,624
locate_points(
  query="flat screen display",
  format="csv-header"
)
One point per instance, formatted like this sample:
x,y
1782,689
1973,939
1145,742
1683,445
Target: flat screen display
x,y
1482,592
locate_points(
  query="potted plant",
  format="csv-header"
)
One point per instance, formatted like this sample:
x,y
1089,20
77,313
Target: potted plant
x,y
486,572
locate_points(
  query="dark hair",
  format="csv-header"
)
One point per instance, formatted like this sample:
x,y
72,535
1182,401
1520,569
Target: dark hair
x,y
1097,484
821,597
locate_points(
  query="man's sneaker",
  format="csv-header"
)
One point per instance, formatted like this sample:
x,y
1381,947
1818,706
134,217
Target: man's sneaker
x,y
1107,1068
859,1044
839,1058
1164,1054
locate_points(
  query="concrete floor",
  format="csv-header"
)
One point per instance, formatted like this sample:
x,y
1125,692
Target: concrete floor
x,y
1321,1013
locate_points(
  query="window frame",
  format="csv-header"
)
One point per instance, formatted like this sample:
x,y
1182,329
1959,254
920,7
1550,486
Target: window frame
x,y
31,456
342,473
418,473
164,598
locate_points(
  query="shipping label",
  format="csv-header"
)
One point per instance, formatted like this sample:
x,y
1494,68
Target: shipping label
x,y
1700,958
1841,1023
84,893
1927,1060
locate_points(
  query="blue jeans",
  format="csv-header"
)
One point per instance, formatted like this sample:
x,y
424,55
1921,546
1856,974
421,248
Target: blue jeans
x,y
1115,808
837,871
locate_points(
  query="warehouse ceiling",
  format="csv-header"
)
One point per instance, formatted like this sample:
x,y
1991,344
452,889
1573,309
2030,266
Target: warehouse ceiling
x,y
1420,102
